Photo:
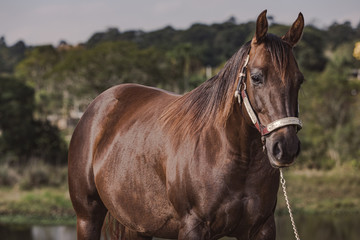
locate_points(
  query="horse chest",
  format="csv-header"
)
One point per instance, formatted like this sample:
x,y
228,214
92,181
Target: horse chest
x,y
243,212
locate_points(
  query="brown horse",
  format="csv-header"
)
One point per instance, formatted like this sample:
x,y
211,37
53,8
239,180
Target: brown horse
x,y
197,166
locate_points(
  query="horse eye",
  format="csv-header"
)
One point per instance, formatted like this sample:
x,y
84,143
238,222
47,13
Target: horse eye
x,y
256,79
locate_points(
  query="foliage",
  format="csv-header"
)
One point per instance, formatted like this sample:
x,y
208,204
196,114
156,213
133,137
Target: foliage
x,y
8,176
331,136
212,44
22,135
340,33
310,52
10,56
108,64
35,70
39,174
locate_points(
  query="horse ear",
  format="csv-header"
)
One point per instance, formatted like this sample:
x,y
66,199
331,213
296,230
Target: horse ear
x,y
261,28
295,32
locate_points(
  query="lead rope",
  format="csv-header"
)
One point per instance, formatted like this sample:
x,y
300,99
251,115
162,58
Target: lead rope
x,y
282,181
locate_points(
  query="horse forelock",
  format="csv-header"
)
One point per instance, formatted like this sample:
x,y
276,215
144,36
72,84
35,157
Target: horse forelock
x,y
279,52
210,103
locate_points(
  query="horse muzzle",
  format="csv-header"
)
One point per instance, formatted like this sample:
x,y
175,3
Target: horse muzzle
x,y
282,147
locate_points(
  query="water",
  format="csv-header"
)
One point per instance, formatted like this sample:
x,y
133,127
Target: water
x,y
37,232
319,227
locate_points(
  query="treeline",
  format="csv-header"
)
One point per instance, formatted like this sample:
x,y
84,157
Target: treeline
x,y
47,84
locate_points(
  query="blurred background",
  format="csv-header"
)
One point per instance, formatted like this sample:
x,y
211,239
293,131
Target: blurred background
x,y
56,56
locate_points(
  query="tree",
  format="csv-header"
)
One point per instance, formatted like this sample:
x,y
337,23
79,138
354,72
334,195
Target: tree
x,y
228,40
184,63
21,135
88,72
10,56
310,50
340,33
112,34
35,70
331,136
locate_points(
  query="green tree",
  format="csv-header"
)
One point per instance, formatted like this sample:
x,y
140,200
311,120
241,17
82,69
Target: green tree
x,y
340,33
10,56
21,135
331,135
310,52
184,62
35,70
112,34
16,106
87,72
37,65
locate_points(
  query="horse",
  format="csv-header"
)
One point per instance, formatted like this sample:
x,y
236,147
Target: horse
x,y
202,165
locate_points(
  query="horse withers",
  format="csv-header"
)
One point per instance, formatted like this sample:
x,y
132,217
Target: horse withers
x,y
199,166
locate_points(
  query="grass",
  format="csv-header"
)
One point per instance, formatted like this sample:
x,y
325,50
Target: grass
x,y
46,205
36,194
336,191
310,192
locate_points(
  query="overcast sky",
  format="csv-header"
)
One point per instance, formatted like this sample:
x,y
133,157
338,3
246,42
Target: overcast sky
x,y
49,21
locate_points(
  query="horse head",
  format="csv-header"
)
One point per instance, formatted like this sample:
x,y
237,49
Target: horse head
x,y
272,81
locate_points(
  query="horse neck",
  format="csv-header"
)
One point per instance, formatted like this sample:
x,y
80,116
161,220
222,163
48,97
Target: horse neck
x,y
253,166
243,137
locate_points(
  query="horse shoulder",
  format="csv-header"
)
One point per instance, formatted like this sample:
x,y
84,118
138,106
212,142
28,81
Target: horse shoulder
x,y
128,155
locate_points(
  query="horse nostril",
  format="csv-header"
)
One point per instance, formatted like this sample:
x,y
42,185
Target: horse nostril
x,y
277,151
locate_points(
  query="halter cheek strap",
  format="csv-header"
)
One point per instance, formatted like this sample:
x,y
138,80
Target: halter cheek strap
x,y
265,130
243,97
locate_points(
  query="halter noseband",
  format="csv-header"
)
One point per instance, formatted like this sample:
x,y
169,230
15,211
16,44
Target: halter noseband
x,y
243,97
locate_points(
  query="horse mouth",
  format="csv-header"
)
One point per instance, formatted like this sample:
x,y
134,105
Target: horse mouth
x,y
282,148
278,164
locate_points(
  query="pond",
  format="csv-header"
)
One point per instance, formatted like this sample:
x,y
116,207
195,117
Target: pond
x,y
319,227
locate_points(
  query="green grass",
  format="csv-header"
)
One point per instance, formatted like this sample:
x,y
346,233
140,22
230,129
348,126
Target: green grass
x,y
336,191
40,206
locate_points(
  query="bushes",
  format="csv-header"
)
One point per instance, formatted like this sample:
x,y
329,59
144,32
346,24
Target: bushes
x,y
8,176
34,175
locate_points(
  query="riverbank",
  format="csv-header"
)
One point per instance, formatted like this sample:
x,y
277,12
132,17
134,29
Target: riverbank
x,y
310,192
44,206
326,192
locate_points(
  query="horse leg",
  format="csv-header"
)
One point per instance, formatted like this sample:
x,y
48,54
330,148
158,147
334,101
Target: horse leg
x,y
90,210
131,235
193,228
267,231
90,221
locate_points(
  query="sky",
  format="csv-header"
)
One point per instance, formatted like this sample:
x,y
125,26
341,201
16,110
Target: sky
x,y
38,22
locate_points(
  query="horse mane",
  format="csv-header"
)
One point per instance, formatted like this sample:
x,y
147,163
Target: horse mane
x,y
212,102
